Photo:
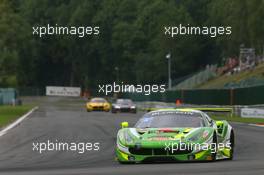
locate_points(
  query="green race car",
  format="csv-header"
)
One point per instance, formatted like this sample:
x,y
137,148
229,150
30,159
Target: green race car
x,y
175,135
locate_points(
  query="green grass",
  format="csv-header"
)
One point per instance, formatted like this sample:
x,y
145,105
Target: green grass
x,y
238,119
9,114
219,82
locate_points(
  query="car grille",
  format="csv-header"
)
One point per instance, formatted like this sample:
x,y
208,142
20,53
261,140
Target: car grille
x,y
157,151
159,159
125,109
98,108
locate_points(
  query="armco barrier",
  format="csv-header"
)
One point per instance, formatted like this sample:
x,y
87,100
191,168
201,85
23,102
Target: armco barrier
x,y
239,96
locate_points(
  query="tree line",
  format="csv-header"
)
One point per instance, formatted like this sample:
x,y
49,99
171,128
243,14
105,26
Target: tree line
x,y
131,46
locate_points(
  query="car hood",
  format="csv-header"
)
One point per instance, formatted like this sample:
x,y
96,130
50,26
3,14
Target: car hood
x,y
156,137
96,104
124,105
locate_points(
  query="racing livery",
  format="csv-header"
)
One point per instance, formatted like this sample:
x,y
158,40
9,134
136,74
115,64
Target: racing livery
x,y
98,104
175,135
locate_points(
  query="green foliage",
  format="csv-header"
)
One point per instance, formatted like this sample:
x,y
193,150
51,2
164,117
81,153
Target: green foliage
x,y
131,38
10,113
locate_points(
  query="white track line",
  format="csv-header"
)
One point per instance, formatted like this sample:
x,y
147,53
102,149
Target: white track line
x,y
15,123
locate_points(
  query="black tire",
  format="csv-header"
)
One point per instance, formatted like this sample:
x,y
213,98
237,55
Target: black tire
x,y
124,163
134,111
215,144
232,141
121,162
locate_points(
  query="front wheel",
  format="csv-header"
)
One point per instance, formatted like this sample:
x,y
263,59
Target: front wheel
x,y
214,148
232,144
134,111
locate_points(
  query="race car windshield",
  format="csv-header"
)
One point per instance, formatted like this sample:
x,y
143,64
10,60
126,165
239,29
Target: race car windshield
x,y
98,101
124,101
171,120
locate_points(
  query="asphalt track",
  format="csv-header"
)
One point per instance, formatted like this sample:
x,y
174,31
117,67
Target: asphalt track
x,y
65,119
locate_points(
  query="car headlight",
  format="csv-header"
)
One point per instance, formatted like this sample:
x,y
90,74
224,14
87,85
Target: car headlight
x,y
117,107
122,148
128,138
106,105
125,137
133,107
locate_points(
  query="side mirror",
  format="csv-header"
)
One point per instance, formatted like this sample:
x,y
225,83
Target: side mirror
x,y
220,126
124,125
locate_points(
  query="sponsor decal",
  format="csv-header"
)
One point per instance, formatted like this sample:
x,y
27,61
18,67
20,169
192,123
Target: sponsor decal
x,y
63,91
252,113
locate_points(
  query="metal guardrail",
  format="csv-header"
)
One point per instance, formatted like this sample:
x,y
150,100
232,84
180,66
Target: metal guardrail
x,y
197,79
151,106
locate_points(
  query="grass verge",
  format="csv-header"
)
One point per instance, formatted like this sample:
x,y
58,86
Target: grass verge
x,y
9,114
239,119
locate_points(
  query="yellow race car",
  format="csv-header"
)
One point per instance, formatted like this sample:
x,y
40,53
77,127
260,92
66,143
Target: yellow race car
x,y
98,104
